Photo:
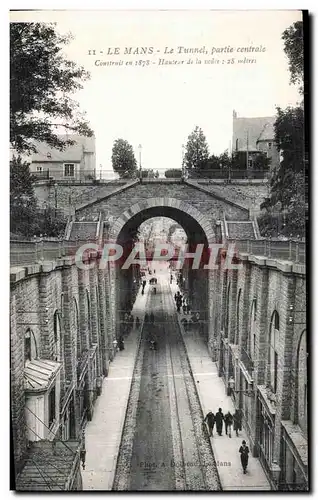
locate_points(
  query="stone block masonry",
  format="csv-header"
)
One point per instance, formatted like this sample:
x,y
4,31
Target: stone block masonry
x,y
64,309
268,351
205,202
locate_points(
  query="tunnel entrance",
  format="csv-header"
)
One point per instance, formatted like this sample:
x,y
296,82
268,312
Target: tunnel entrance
x,y
163,224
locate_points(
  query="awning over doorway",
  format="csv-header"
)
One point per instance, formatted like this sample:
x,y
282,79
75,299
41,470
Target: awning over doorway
x,y
39,373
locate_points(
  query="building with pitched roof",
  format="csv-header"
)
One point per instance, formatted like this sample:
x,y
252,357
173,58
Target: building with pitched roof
x,y
253,135
76,162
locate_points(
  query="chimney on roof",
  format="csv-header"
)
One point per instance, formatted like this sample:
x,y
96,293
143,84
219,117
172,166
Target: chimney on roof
x,y
234,114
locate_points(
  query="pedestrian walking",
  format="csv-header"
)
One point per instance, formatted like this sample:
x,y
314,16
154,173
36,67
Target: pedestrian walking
x,y
219,417
137,322
228,420
244,451
237,420
83,450
210,419
184,308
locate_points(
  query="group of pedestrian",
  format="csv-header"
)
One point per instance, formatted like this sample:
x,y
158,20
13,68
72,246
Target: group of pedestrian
x,y
127,324
228,420
218,418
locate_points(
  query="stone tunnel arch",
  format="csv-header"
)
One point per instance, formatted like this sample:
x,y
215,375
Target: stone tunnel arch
x,y
198,230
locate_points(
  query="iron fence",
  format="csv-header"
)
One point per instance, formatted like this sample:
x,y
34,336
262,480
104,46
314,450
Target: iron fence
x,y
108,175
290,250
29,252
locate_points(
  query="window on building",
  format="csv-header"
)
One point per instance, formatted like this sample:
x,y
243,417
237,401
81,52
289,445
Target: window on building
x,y
89,319
273,350
76,328
52,406
69,170
237,330
226,312
97,309
62,305
57,335
27,347
39,169
252,331
302,382
30,347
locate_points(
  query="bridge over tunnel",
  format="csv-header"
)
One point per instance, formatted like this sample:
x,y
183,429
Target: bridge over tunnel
x,y
193,278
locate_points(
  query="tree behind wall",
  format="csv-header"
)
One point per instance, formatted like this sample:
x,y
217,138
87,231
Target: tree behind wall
x,y
23,205
26,220
41,83
288,185
123,159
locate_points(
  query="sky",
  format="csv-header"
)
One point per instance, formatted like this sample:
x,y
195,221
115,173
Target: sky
x,y
158,106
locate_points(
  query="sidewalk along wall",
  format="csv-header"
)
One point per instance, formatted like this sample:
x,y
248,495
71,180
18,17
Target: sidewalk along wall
x,y
262,318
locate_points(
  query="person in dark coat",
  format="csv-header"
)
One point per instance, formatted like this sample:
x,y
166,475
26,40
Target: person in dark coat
x,y
210,419
237,420
228,420
219,417
121,343
244,451
184,308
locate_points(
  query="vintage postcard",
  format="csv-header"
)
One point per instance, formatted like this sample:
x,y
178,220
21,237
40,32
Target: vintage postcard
x,y
158,217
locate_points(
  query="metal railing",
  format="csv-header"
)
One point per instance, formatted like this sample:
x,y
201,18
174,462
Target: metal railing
x,y
291,250
107,175
30,252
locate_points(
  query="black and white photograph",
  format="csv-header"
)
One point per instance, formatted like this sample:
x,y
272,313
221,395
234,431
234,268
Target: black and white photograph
x,y
158,238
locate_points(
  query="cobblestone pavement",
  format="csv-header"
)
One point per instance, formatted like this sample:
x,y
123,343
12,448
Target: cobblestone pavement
x,y
157,434
169,449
